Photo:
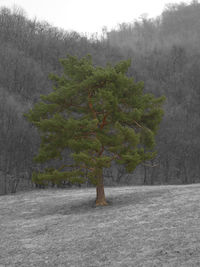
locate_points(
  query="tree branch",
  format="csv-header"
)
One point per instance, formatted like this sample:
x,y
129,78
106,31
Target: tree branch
x,y
148,165
104,122
91,106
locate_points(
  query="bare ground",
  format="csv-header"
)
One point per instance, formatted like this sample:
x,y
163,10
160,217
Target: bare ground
x,y
142,226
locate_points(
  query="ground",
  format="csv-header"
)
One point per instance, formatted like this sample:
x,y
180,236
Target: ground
x,y
141,226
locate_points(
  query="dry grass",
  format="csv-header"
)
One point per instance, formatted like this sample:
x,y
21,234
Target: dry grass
x,y
142,226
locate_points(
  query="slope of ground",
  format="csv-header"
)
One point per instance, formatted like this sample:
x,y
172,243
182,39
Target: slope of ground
x,y
142,226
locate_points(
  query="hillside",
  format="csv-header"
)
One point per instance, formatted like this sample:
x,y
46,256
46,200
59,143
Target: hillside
x,y
165,55
142,226
177,25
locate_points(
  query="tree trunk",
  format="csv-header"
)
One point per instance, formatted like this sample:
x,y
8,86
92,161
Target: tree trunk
x,y
100,198
5,184
145,176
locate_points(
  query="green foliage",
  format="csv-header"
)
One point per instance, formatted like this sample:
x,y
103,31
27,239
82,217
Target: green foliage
x,y
100,115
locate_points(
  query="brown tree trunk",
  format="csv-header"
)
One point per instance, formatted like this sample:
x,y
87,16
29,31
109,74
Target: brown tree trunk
x,y
100,198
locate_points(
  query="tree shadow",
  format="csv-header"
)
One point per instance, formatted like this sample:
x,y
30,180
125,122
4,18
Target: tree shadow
x,y
82,206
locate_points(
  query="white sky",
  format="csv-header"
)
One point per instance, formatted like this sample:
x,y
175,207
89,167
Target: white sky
x,y
89,16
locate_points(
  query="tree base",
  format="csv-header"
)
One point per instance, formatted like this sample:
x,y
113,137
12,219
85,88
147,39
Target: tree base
x,y
101,203
100,197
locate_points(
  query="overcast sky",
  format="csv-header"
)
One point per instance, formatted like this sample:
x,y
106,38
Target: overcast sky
x,y
89,16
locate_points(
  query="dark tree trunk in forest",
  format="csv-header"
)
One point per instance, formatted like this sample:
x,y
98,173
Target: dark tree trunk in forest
x,y
5,184
100,197
145,176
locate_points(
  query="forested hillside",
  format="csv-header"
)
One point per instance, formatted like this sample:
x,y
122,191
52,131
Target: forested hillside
x,y
165,55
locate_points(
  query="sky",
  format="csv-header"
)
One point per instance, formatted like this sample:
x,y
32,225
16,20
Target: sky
x,y
89,16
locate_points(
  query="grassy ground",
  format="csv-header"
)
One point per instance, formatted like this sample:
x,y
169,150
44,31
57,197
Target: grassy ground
x,y
142,226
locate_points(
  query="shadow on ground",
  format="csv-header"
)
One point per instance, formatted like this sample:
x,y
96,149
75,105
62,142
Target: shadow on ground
x,y
81,206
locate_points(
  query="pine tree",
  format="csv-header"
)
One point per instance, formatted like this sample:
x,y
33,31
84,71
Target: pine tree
x,y
100,115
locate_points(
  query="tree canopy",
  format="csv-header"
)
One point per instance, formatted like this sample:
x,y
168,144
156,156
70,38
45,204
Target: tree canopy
x,y
100,115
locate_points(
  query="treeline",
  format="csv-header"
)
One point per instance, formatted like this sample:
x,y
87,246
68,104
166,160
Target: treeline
x,y
29,51
165,55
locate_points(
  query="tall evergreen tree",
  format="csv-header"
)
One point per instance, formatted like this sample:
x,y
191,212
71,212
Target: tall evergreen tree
x,y
100,115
